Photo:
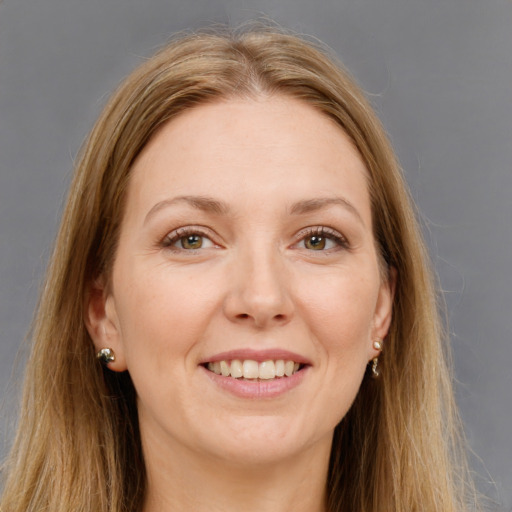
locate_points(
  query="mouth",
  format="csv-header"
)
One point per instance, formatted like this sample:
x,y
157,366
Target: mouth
x,y
249,369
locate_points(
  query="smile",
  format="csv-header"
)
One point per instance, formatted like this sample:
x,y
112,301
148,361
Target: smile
x,y
251,369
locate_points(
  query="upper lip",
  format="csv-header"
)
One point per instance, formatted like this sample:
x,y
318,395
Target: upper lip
x,y
257,355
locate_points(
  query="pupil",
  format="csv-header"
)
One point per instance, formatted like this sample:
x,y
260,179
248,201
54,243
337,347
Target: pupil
x,y
316,242
192,242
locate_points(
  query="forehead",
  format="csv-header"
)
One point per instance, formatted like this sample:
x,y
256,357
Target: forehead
x,y
274,148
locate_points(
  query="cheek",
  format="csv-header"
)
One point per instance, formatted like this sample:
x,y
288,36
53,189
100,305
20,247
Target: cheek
x,y
161,314
340,309
339,313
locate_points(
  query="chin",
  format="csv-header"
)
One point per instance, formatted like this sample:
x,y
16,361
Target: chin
x,y
258,441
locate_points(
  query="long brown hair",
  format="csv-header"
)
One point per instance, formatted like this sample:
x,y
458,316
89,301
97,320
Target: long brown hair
x,y
78,445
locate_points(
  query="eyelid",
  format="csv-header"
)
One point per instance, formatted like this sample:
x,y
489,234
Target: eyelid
x,y
323,231
173,236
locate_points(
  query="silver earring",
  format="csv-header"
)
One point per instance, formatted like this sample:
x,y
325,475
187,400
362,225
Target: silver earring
x,y
377,345
106,355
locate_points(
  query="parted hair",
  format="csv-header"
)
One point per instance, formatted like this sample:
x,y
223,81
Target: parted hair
x,y
78,448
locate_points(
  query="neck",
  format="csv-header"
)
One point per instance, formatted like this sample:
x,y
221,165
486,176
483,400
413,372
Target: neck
x,y
186,481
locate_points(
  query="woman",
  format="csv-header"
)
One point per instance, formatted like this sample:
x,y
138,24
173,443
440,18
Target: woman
x,y
240,252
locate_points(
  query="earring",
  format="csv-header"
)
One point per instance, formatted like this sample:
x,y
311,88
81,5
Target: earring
x,y
377,345
375,370
106,355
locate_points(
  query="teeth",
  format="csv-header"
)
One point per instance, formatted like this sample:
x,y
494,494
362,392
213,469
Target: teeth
x,y
236,369
279,368
250,369
267,370
224,368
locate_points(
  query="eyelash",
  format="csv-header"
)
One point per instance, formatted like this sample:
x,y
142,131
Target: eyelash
x,y
318,231
323,232
180,233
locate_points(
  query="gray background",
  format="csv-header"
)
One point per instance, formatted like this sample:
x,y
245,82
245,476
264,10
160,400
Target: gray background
x,y
439,73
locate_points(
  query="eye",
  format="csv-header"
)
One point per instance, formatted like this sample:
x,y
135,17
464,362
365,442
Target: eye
x,y
188,239
322,239
318,243
191,242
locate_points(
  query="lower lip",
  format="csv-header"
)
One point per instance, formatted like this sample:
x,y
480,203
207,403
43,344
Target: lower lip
x,y
257,389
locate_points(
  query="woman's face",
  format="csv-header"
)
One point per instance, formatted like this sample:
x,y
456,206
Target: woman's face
x,y
246,242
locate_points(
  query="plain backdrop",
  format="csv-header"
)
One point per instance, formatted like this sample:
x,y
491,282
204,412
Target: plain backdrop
x,y
439,73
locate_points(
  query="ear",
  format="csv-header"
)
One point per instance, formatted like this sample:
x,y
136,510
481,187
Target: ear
x,y
383,310
102,323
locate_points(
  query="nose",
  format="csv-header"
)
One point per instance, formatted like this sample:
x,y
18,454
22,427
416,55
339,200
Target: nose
x,y
259,291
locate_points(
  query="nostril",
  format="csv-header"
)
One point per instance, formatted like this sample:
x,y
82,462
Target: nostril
x,y
243,315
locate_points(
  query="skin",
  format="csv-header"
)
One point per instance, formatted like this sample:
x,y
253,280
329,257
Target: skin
x,y
257,282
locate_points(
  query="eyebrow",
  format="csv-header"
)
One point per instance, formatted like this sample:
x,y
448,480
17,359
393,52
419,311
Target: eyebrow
x,y
206,204
211,205
313,205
